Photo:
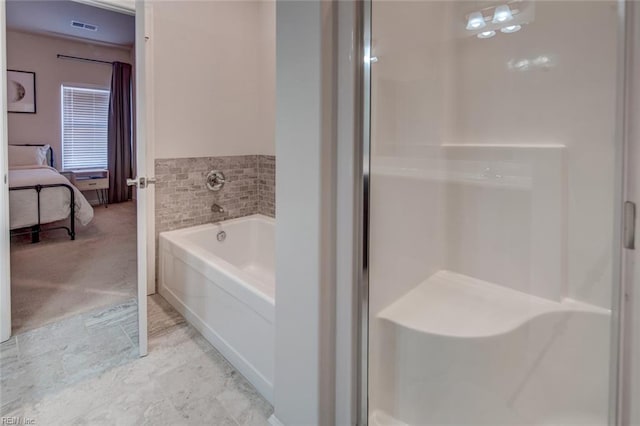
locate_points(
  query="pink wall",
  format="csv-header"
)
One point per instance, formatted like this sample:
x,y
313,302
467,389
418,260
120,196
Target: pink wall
x,y
37,53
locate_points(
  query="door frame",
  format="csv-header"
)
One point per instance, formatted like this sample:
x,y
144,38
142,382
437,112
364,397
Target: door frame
x,y
5,272
629,345
144,158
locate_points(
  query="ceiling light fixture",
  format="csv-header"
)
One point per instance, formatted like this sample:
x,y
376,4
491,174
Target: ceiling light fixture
x,y
502,14
511,29
476,21
486,34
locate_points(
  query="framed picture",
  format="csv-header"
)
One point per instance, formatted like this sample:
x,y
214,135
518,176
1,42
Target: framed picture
x,y
21,91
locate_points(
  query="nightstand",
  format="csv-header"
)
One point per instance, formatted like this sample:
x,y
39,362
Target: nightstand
x,y
89,180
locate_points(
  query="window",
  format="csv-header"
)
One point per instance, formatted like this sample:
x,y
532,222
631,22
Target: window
x,y
85,115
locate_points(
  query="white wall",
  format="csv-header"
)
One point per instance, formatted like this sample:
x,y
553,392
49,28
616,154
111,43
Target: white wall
x,y
214,80
37,53
267,75
305,307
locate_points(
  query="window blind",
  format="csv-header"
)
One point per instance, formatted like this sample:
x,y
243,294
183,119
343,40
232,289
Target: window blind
x,y
85,114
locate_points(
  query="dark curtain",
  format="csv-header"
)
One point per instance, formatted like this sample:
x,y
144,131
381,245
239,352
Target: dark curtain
x,y
119,133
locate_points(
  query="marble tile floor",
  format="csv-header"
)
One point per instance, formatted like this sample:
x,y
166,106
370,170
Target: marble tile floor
x,y
85,370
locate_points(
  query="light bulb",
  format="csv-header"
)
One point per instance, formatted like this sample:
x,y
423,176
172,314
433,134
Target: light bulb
x,y
502,14
511,29
542,61
486,34
476,21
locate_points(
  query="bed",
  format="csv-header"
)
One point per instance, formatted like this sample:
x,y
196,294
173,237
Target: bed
x,y
39,194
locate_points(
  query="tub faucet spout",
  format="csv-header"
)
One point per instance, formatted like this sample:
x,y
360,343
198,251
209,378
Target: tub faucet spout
x,y
216,208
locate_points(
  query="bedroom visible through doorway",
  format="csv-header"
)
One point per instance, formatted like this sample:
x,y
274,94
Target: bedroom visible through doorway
x,y
71,127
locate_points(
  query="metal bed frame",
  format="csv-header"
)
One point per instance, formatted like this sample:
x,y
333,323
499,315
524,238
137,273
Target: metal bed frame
x,y
37,229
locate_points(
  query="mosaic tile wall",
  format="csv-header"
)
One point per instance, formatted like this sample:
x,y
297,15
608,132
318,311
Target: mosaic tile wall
x,y
267,185
183,200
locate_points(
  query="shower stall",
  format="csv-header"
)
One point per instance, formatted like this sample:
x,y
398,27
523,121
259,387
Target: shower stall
x,y
493,186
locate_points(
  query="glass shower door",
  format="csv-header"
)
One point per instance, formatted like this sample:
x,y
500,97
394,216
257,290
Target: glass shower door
x,y
494,152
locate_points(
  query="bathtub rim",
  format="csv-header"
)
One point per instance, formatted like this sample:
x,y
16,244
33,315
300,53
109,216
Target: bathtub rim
x,y
190,229
213,267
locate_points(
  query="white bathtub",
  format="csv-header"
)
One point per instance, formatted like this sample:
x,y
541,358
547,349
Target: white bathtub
x,y
226,289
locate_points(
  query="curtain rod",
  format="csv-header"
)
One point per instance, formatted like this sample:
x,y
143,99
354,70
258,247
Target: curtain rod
x,y
83,59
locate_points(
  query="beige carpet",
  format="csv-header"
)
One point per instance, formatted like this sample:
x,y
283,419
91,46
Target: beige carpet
x,y
57,277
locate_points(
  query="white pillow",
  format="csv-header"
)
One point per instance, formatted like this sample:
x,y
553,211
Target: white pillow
x,y
28,155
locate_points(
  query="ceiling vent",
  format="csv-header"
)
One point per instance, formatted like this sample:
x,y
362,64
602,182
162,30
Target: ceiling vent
x,y
84,26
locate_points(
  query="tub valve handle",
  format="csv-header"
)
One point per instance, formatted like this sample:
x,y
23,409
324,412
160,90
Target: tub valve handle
x,y
215,180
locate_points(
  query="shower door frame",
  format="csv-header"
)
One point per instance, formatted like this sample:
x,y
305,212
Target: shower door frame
x,y
363,81
620,282
629,349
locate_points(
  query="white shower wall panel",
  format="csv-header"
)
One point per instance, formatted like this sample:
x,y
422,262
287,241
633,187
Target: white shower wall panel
x,y
445,88
496,213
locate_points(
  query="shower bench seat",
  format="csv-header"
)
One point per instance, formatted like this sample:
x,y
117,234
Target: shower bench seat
x,y
452,304
521,359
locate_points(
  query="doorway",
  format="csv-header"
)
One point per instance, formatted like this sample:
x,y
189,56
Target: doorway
x,y
121,221
55,275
